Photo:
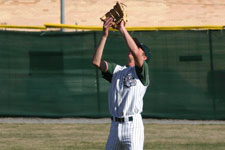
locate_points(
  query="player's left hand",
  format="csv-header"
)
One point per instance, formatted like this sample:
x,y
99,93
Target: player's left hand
x,y
121,26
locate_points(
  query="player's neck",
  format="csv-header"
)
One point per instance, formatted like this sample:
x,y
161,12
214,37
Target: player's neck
x,y
131,64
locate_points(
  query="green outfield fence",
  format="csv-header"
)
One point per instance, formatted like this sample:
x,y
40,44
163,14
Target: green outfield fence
x,y
49,73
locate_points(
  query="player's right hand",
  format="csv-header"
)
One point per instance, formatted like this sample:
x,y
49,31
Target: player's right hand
x,y
107,24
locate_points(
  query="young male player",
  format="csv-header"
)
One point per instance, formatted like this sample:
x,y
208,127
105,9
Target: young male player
x,y
128,86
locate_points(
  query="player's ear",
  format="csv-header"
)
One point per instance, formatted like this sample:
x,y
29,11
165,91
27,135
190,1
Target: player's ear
x,y
145,57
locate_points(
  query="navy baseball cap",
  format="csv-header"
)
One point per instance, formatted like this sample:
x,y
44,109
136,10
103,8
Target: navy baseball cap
x,y
144,48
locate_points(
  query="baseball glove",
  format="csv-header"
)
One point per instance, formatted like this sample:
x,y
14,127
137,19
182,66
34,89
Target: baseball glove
x,y
117,13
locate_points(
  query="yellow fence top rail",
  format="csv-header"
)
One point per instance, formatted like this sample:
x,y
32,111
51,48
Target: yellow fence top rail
x,y
99,28
65,26
23,27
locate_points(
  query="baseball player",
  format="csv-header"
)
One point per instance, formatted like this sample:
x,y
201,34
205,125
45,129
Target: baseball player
x,y
128,86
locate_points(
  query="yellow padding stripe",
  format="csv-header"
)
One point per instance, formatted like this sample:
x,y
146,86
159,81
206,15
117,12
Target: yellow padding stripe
x,y
23,27
175,28
66,26
99,28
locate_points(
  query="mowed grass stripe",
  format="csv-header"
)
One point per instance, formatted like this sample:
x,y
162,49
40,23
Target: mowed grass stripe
x,y
94,136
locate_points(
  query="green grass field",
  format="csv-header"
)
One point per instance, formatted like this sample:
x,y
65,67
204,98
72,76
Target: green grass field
x,y
94,136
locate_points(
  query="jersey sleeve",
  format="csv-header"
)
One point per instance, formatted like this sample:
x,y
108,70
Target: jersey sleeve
x,y
109,73
143,74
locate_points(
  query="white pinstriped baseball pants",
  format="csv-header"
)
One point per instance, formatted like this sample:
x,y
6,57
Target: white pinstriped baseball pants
x,y
126,136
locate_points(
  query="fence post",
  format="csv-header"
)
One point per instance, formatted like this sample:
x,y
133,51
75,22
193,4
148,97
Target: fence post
x,y
97,76
212,72
62,13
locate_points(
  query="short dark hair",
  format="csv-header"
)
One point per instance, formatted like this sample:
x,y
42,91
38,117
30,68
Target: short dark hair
x,y
144,48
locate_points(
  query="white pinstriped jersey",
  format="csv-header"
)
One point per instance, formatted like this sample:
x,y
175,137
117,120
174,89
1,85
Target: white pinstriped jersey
x,y
126,92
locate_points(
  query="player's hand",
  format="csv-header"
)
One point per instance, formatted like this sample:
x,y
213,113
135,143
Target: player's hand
x,y
107,24
121,26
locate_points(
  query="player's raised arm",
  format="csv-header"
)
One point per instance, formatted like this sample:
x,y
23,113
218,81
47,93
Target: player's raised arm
x,y
131,45
97,57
